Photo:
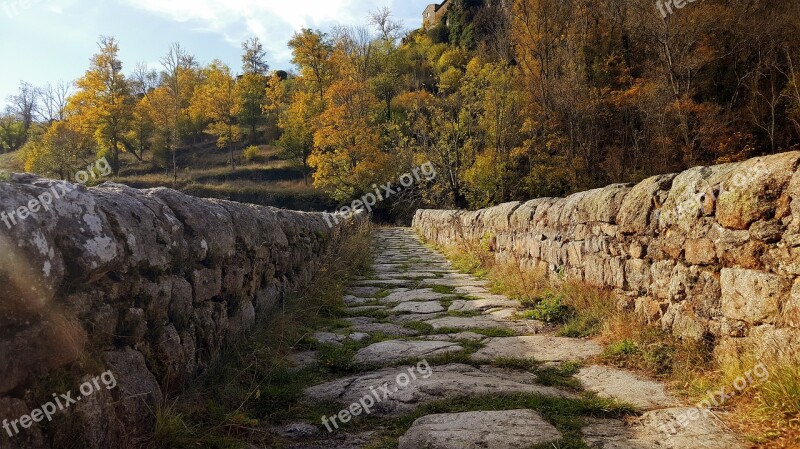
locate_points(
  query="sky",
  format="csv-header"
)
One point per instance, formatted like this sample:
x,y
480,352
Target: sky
x,y
45,41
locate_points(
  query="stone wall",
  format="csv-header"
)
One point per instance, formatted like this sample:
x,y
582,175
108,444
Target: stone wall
x,y
150,284
711,253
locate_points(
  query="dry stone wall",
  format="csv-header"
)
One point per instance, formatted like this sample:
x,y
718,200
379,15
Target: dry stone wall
x,y
711,253
149,284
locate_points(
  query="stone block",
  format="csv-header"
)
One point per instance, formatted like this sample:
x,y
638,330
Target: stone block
x,y
752,296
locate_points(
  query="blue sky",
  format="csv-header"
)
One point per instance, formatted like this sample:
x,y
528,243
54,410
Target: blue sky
x,y
50,40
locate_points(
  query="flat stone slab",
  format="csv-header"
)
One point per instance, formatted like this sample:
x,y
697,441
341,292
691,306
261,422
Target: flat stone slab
x,y
337,339
409,317
303,359
485,322
626,387
658,429
507,429
389,282
351,300
449,282
360,309
470,336
385,328
364,292
538,347
359,320
462,305
414,275
338,440
395,350
472,290
419,307
438,383
422,294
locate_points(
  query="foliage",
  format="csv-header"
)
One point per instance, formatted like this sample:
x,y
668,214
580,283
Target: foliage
x,y
251,153
12,133
551,309
103,104
217,98
61,151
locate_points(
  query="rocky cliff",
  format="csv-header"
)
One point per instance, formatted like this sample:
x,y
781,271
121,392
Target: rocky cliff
x,y
711,253
147,284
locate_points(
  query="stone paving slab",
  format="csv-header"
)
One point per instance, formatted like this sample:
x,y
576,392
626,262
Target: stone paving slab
x,y
419,307
363,292
485,322
339,440
539,347
422,294
507,429
625,386
658,429
385,328
360,309
462,305
444,382
383,282
337,339
351,300
444,282
470,336
390,351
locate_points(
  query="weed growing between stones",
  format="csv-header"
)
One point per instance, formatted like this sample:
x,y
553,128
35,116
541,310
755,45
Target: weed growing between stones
x,y
252,387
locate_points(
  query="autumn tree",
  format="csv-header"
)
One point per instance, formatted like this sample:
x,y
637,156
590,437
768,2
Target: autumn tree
x,y
311,53
12,133
103,103
251,87
297,109
61,151
218,98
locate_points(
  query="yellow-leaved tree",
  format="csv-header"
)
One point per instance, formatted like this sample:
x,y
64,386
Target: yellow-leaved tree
x,y
218,99
103,104
61,151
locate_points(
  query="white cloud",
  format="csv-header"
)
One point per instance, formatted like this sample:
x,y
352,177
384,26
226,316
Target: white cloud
x,y
271,20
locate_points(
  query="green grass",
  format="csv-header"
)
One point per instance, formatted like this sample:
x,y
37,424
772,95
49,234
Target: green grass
x,y
420,326
562,376
443,289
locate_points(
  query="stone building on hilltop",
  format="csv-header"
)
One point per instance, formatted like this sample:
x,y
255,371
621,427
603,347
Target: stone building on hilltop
x,y
434,14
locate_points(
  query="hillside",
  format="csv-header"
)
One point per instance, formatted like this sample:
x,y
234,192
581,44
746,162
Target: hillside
x,y
204,171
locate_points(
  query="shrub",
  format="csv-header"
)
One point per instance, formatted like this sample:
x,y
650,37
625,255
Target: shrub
x,y
251,153
551,309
